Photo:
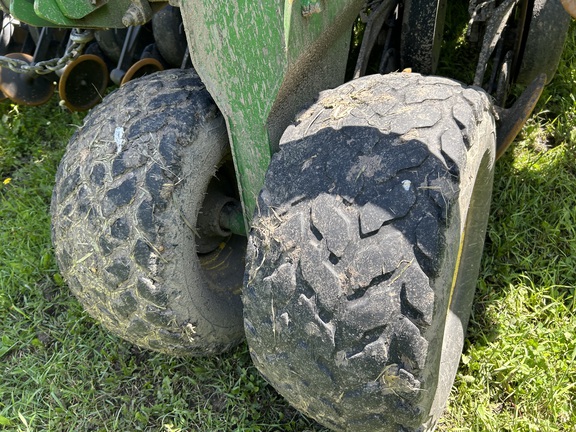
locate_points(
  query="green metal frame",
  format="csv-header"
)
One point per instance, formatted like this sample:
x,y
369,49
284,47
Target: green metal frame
x,y
262,61
62,13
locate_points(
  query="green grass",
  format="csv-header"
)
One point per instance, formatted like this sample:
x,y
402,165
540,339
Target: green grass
x,y
60,371
519,364
518,370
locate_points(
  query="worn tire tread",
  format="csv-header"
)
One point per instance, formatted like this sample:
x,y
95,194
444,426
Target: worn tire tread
x,y
114,205
342,326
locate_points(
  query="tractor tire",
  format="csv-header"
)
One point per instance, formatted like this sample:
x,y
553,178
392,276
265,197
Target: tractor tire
x,y
365,249
547,30
124,218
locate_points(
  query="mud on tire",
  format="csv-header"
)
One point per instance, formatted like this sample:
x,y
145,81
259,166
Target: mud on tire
x,y
127,195
365,248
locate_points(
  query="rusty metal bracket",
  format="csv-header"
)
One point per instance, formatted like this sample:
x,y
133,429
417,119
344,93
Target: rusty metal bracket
x,y
512,119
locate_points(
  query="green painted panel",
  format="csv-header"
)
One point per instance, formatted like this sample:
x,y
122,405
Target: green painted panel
x,y
77,9
47,13
23,10
49,10
238,50
109,15
250,52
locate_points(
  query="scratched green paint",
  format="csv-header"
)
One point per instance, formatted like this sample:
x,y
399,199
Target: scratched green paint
x,y
243,50
108,15
238,50
48,13
24,11
76,9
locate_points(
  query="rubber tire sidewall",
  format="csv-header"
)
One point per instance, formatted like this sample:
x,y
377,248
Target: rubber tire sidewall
x,y
168,128
307,367
547,31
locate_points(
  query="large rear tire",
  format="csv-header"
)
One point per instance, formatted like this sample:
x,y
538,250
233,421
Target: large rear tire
x,y
125,210
365,249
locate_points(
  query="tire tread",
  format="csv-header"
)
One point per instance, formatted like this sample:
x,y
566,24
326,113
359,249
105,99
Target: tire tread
x,y
111,205
334,195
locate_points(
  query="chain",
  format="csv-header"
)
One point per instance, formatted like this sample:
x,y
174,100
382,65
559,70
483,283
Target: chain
x,y
78,40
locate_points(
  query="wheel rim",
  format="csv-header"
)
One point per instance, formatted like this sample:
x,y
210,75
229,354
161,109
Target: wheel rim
x,y
218,248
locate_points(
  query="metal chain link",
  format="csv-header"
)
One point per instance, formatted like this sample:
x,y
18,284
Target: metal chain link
x,y
78,38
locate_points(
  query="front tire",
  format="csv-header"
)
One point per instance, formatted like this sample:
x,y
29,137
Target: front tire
x,y
125,209
365,248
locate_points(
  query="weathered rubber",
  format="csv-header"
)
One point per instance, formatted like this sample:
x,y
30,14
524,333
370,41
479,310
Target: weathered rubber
x,y
546,33
127,195
422,34
357,242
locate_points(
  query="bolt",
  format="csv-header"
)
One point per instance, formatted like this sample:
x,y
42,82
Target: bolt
x,y
138,13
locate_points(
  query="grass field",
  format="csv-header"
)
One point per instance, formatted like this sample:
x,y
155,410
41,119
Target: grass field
x,y
60,371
